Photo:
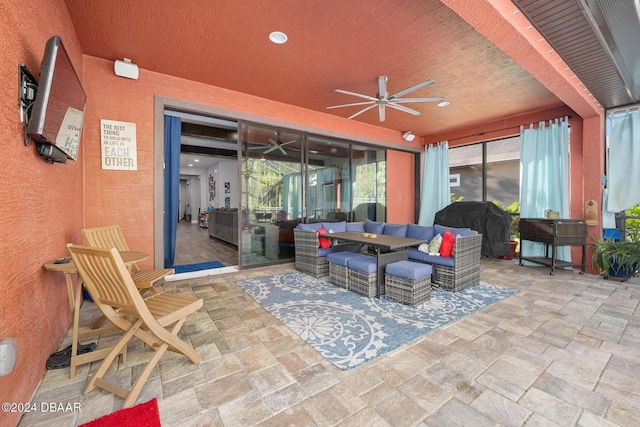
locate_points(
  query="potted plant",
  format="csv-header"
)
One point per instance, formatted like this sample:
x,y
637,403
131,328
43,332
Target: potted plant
x,y
616,258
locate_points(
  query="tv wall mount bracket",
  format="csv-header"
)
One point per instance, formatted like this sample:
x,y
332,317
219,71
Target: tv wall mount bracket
x,y
27,89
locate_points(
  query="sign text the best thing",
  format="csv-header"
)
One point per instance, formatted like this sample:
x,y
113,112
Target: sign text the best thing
x,y
118,145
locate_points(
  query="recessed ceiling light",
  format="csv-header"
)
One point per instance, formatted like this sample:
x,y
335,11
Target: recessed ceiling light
x,y
190,165
278,37
443,104
196,160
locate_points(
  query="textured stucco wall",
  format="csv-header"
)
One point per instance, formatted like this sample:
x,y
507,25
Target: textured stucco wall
x,y
41,205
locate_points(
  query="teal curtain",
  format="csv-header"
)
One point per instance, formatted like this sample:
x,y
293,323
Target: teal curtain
x,y
624,161
172,131
436,193
544,159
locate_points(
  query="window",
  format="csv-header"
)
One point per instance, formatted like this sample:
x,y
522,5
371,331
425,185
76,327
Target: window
x,y
488,171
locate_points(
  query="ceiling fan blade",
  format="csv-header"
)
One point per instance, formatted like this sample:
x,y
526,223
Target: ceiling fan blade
x,y
287,143
362,111
381,113
435,99
359,95
273,142
350,105
382,88
270,149
411,89
405,109
282,149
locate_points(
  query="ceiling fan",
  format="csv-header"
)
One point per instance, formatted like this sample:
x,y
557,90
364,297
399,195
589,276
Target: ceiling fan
x,y
276,144
385,100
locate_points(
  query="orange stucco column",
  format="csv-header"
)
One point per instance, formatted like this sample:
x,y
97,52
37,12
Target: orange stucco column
x,y
593,149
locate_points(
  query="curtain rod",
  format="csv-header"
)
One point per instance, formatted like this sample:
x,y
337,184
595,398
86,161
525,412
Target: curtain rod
x,y
622,109
490,131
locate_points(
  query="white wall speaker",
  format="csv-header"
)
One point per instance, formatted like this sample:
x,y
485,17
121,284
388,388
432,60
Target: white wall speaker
x,y
125,68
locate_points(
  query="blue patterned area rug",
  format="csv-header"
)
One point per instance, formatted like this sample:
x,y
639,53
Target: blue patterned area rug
x,y
349,329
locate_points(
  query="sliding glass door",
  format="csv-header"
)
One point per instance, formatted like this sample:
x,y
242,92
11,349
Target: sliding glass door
x,y
271,193
290,177
328,178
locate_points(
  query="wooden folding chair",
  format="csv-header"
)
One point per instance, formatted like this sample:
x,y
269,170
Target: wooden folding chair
x,y
112,289
111,237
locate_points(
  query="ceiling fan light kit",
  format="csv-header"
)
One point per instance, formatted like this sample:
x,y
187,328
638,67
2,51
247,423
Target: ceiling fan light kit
x,y
384,100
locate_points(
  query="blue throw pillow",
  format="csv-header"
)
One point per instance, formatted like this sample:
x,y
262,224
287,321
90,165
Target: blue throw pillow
x,y
397,230
462,232
310,227
373,227
423,232
335,227
355,226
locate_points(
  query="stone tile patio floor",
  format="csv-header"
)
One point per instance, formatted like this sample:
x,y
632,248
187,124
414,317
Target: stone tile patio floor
x,y
565,351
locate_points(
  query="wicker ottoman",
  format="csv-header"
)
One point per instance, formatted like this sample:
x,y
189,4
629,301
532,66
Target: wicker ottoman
x,y
338,270
363,275
408,282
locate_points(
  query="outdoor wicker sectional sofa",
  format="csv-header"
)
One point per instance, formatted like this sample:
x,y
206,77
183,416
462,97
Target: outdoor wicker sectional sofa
x,y
454,273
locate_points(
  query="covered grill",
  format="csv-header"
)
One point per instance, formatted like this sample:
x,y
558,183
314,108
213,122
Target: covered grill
x,y
486,218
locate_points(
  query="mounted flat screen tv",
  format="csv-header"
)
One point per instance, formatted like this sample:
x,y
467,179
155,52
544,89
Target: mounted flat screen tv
x,y
58,109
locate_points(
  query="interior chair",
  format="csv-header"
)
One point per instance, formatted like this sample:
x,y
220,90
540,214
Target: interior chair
x,y
112,289
111,236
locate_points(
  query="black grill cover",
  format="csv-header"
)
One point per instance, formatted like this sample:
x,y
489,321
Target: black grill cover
x,y
486,218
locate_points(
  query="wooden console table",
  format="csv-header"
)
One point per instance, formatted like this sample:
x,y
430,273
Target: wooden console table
x,y
554,233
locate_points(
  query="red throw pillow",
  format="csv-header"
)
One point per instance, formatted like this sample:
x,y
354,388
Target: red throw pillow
x,y
446,248
324,242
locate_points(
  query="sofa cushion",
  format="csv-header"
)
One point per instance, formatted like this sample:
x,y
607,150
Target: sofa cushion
x,y
310,227
323,242
408,269
323,252
462,232
446,248
416,255
335,227
398,230
434,244
366,264
373,227
355,226
341,258
424,232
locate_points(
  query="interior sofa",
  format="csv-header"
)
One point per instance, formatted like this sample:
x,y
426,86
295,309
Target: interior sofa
x,y
454,273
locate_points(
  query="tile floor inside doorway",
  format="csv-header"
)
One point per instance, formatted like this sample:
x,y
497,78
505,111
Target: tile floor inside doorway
x,y
565,351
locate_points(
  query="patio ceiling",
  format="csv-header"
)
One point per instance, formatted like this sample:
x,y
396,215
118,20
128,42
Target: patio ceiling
x,y
333,44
